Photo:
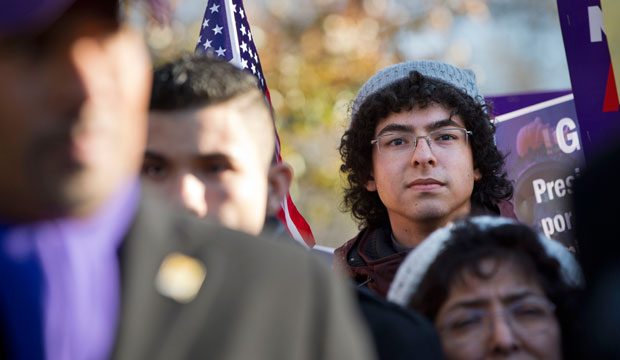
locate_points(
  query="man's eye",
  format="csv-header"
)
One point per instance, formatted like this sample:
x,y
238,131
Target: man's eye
x,y
445,137
154,171
396,141
215,168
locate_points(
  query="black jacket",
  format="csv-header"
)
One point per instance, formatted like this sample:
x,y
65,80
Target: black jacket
x,y
398,333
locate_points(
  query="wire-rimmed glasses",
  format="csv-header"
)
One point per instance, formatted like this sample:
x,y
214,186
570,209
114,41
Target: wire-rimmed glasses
x,y
527,317
402,142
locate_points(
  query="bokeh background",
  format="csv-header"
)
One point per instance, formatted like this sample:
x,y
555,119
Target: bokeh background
x,y
317,53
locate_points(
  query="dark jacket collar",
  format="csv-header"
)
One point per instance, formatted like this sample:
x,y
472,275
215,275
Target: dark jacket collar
x,y
371,259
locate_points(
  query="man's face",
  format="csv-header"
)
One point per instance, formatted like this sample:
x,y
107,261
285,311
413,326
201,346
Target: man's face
x,y
426,185
73,110
208,161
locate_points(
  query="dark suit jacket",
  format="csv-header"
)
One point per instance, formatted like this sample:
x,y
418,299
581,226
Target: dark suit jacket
x,y
259,299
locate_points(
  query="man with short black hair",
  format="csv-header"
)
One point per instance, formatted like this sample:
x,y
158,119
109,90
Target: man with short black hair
x,y
419,153
211,144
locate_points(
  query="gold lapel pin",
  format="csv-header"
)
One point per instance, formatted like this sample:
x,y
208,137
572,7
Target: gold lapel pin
x,y
180,277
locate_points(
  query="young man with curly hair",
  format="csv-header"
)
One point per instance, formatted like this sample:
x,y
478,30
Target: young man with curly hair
x,y
419,153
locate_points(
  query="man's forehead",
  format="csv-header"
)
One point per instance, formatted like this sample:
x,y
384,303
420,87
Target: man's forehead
x,y
212,125
420,120
226,128
245,113
232,113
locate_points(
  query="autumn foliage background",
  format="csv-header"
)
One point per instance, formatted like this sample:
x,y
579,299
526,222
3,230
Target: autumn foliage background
x,y
317,53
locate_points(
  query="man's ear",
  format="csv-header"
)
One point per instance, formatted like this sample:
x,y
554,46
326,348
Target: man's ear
x,y
279,181
477,174
371,185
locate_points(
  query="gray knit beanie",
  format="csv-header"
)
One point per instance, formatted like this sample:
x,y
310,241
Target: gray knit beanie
x,y
460,78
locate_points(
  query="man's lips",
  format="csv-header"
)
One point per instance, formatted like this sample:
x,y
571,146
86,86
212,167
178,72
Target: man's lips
x,y
426,184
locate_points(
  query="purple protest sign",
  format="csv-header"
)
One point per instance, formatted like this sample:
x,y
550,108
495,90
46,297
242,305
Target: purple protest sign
x,y
503,104
591,73
544,156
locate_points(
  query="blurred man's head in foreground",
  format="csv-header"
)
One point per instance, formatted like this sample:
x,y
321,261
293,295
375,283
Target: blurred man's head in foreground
x,y
73,107
211,143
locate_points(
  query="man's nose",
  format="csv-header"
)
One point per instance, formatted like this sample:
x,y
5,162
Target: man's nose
x,y
192,194
423,154
502,337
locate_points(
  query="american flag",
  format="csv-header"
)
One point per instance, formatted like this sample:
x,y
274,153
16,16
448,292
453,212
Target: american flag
x,y
225,32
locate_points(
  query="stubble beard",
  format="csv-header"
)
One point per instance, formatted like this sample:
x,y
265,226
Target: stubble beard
x,y
436,214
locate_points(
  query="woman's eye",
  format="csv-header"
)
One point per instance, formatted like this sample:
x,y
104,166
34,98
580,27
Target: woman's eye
x,y
466,322
529,311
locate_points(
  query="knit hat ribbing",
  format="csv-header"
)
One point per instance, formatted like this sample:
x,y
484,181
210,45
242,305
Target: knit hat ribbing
x,y
462,79
413,269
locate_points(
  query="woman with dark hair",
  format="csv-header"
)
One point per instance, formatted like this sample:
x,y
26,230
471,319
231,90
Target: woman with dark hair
x,y
492,288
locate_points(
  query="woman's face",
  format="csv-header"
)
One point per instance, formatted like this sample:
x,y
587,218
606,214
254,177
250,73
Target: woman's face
x,y
504,315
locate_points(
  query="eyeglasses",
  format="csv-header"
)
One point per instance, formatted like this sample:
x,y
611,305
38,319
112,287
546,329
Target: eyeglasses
x,y
526,318
443,139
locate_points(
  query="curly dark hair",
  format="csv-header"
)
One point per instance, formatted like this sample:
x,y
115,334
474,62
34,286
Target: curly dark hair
x,y
470,244
403,95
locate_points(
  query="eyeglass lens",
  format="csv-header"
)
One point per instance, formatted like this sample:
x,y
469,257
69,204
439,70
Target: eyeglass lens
x,y
407,142
526,318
